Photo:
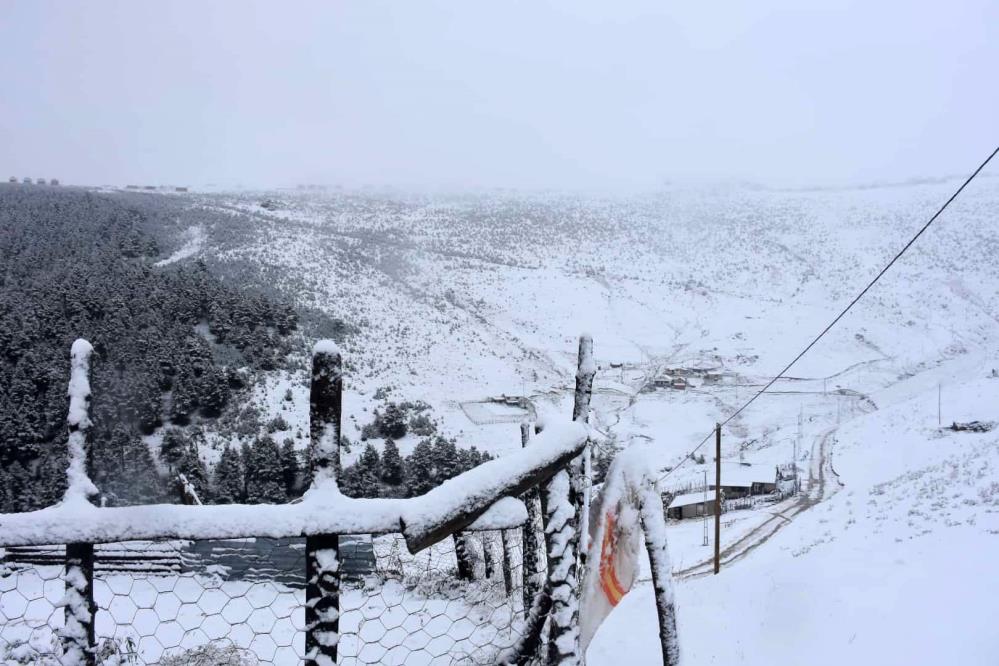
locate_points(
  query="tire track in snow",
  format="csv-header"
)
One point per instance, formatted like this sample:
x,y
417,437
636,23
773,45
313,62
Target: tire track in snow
x,y
817,490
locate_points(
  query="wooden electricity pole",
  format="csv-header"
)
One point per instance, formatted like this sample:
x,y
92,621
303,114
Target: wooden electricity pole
x,y
717,497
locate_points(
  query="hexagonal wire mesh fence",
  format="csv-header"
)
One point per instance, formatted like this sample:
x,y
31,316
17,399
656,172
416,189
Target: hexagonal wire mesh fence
x,y
415,610
242,602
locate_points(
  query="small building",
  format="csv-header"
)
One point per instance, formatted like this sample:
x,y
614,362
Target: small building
x,y
180,189
691,505
54,181
741,479
679,384
131,187
40,181
26,181
12,179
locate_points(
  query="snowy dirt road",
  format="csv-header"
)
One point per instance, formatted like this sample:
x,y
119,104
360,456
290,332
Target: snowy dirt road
x,y
823,482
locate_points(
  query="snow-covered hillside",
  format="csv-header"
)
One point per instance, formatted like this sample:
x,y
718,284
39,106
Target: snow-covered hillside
x,y
455,301
896,563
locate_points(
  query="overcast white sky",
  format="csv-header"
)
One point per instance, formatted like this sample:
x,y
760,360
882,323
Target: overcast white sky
x,y
528,94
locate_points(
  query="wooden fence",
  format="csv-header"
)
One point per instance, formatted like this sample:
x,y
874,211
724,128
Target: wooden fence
x,y
481,499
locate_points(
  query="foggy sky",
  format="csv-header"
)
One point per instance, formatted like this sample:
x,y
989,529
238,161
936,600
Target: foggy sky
x,y
478,94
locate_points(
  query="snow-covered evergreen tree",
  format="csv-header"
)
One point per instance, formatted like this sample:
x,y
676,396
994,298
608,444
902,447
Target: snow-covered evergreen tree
x,y
143,484
391,472
290,467
362,478
370,462
392,423
420,470
228,478
446,461
245,462
173,448
19,484
193,469
49,484
264,478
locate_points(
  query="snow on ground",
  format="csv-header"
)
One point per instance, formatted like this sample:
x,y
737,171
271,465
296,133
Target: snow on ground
x,y
896,566
883,558
469,298
194,240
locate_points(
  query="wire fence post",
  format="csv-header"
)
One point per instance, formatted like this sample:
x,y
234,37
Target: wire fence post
x,y
322,551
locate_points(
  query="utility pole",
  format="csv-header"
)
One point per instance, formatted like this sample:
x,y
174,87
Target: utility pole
x,y
797,446
704,541
717,497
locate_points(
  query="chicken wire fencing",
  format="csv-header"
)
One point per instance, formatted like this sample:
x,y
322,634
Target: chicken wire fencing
x,y
242,602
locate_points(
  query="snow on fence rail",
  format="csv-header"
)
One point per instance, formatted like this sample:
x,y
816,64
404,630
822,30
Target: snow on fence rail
x,y
193,609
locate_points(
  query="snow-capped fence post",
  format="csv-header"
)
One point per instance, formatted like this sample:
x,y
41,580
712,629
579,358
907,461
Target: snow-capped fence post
x,y
563,506
325,413
581,470
77,634
653,519
322,551
531,539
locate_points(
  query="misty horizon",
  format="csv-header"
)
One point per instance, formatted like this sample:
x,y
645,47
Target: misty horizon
x,y
442,96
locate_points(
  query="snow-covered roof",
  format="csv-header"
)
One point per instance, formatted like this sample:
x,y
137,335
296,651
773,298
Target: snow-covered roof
x,y
744,474
691,498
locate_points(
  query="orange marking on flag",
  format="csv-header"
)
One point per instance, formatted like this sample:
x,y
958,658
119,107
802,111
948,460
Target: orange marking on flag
x,y
609,582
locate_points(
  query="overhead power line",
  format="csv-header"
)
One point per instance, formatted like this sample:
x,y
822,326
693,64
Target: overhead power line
x,y
841,314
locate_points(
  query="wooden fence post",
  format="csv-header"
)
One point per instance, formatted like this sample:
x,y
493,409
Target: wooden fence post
x,y
325,412
487,554
580,472
563,504
322,599
77,634
507,567
322,551
79,640
531,539
654,527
